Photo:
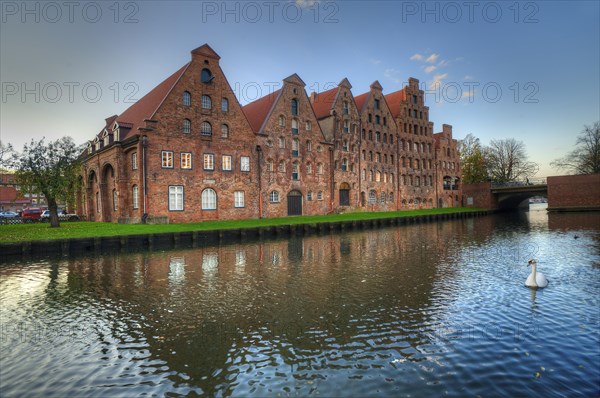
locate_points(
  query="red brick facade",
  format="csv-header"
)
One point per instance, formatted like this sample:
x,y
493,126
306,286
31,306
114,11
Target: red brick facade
x,y
188,151
448,168
577,192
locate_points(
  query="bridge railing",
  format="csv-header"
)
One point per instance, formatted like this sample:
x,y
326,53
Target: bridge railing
x,y
528,182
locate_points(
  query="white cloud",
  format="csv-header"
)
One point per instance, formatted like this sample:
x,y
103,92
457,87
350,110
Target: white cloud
x,y
392,74
437,81
432,58
416,57
442,63
375,61
430,68
306,3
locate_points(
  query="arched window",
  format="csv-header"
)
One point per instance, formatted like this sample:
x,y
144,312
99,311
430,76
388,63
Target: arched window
x,y
295,147
224,105
309,168
187,126
206,129
295,107
274,197
309,146
135,197
282,166
224,131
209,199
206,76
344,164
377,176
294,126
391,197
296,171
319,168
187,98
206,102
269,164
372,197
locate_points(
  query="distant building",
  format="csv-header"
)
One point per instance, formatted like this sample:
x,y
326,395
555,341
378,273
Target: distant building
x,y
188,151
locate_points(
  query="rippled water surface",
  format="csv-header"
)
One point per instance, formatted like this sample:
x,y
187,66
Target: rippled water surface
x,y
422,310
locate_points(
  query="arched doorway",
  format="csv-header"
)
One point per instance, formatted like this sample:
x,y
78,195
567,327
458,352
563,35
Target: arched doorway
x,y
294,200
108,194
344,194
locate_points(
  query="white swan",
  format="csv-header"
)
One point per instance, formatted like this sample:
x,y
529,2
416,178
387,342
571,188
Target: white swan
x,y
535,279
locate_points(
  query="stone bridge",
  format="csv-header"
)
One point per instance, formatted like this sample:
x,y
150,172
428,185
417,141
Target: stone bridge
x,y
564,193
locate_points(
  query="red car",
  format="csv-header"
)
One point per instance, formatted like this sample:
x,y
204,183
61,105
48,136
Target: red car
x,y
31,214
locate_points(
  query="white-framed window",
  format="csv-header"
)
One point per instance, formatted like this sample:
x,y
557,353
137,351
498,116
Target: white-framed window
x,y
175,197
166,159
345,145
320,195
209,199
238,199
372,197
206,102
296,171
134,164
281,121
224,131
295,147
319,168
209,161
245,163
274,197
206,129
187,98
294,126
270,165
346,108
309,196
309,146
308,126
346,126
226,162
344,164
135,197
224,105
309,168
282,166
281,142
186,160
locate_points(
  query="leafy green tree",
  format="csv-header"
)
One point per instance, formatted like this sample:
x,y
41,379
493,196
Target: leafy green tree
x,y
507,161
52,169
585,158
472,161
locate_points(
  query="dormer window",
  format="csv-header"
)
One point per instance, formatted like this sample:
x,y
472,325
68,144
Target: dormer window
x,y
89,148
206,76
187,98
106,138
116,134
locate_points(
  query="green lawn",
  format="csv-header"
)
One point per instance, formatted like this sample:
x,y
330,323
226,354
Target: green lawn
x,y
67,230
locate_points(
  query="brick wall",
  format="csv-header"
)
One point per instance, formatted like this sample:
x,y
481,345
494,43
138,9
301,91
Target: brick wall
x,y
577,192
481,195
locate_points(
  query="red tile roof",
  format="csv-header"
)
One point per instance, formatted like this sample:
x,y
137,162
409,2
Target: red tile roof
x,y
147,106
256,112
361,100
394,101
323,102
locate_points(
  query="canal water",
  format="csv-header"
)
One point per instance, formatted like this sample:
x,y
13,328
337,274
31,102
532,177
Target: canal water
x,y
437,309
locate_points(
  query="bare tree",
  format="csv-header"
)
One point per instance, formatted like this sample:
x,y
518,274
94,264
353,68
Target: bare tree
x,y
51,169
472,161
585,158
507,161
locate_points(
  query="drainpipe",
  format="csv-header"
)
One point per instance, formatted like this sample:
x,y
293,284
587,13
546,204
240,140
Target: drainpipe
x,y
260,199
144,177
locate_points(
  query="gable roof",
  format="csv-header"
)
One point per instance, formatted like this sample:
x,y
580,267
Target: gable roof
x,y
147,106
394,101
361,100
323,102
256,112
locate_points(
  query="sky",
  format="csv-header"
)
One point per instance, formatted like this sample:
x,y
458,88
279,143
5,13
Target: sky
x,y
496,69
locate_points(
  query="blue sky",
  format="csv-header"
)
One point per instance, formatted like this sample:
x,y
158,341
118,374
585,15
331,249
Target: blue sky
x,y
524,70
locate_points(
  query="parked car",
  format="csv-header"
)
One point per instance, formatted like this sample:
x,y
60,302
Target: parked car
x,y
8,214
31,214
62,216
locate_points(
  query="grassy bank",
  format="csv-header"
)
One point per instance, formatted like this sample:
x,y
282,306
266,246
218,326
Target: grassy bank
x,y
70,230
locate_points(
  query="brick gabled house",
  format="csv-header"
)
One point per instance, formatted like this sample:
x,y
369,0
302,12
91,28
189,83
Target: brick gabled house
x,y
449,171
416,147
339,119
378,152
295,157
184,152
